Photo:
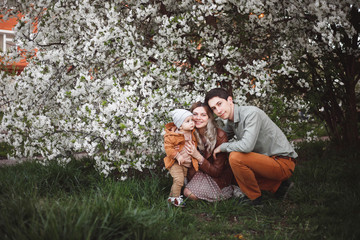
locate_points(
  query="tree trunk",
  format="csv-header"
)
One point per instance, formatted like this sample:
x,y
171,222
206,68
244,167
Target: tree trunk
x,y
351,131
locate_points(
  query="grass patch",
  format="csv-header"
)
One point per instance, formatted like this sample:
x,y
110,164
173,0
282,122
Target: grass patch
x,y
74,202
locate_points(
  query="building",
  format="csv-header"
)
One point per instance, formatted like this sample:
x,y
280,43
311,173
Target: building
x,y
7,35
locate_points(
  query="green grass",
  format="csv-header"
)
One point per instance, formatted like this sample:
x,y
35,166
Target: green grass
x,y
74,202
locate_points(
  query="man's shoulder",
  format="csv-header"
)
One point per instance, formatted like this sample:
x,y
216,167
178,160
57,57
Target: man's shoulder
x,y
250,110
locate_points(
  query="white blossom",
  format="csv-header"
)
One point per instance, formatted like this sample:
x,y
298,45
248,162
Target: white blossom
x,y
106,73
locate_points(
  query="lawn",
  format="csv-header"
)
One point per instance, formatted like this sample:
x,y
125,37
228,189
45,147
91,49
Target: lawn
x,y
74,202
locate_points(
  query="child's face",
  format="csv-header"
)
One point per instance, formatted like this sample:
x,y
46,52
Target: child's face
x,y
188,124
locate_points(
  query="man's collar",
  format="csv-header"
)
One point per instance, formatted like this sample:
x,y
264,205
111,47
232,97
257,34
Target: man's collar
x,y
236,113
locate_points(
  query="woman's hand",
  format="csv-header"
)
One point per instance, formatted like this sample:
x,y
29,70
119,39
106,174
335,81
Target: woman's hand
x,y
192,151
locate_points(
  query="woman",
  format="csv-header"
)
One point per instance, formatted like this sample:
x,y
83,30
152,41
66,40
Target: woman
x,y
213,180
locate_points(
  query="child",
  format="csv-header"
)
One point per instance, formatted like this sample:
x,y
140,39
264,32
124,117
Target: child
x,y
177,133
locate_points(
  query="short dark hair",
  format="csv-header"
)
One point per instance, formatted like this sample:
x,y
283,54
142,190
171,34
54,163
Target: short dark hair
x,y
216,92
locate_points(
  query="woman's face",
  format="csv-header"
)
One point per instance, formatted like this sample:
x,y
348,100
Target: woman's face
x,y
200,117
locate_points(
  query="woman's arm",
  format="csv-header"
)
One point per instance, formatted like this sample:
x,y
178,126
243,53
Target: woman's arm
x,y
213,167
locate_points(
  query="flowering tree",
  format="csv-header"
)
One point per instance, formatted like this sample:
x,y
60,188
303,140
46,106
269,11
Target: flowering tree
x,y
315,52
106,73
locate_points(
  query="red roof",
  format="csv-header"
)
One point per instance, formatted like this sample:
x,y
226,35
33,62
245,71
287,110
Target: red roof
x,y
8,25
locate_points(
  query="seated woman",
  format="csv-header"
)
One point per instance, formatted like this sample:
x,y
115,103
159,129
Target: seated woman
x,y
213,180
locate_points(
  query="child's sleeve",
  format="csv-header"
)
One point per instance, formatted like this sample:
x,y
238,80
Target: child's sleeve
x,y
170,150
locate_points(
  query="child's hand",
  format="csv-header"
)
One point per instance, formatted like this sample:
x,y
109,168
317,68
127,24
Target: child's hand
x,y
182,157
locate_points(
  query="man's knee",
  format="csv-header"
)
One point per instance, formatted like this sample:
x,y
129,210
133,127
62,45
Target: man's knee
x,y
236,158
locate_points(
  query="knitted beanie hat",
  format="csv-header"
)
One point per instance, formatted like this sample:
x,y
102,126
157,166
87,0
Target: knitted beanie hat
x,y
179,116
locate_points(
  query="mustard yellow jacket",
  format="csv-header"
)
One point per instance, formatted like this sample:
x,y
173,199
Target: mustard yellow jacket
x,y
174,142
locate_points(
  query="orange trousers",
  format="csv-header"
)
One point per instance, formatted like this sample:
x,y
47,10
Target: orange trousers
x,y
255,172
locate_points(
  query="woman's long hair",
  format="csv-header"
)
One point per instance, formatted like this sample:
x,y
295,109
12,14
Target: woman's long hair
x,y
210,133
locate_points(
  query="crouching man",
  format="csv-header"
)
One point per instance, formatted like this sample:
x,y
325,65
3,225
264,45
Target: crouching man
x,y
261,157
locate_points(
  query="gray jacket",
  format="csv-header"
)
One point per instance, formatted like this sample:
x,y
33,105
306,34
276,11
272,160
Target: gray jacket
x,y
255,132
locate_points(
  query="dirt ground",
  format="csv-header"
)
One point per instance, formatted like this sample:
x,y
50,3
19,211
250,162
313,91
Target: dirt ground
x,y
10,162
7,162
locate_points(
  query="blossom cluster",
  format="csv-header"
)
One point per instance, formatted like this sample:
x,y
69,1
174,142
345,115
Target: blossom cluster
x,y
106,73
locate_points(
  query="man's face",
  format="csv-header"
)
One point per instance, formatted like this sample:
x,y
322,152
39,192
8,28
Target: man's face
x,y
188,124
224,109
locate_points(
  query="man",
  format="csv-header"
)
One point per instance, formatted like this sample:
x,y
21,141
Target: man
x,y
261,157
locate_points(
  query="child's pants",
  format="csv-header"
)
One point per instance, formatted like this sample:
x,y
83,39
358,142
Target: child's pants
x,y
178,174
255,172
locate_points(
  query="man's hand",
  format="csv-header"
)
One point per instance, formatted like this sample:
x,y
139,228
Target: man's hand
x,y
216,151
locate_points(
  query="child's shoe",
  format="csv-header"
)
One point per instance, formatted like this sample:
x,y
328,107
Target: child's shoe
x,y
170,200
177,201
